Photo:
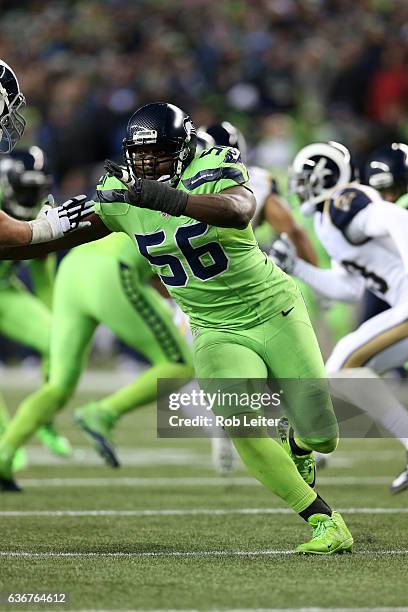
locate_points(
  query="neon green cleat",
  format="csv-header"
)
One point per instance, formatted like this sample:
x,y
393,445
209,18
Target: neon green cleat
x,y
20,460
97,424
52,440
306,464
330,535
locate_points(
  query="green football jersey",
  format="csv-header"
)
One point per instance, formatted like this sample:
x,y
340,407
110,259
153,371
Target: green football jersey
x,y
218,276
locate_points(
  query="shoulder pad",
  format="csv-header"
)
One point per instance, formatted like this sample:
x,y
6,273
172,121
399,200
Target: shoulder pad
x,y
107,182
232,156
220,155
212,166
345,204
110,189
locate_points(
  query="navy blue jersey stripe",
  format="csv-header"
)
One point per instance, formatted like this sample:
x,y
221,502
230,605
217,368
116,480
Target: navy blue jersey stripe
x,y
212,175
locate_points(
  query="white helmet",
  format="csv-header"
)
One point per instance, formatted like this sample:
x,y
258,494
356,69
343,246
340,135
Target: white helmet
x,y
317,170
12,123
204,140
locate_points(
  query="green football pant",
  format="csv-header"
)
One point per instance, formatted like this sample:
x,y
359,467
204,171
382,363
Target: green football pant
x,y
88,291
25,319
284,347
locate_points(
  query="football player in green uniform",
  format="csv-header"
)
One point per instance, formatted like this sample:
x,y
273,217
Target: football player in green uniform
x,y
24,316
273,210
189,216
102,282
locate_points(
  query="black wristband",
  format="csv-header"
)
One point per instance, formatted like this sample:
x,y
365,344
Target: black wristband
x,y
159,196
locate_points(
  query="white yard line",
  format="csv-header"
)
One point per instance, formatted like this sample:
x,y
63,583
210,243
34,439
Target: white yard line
x,y
128,456
186,512
191,481
394,609
174,553
22,378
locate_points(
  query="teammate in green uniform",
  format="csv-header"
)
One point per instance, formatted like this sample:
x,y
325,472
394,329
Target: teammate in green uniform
x,y
24,316
190,218
101,282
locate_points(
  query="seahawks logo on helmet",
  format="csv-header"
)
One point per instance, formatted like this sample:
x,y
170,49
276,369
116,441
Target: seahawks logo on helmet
x,y
143,136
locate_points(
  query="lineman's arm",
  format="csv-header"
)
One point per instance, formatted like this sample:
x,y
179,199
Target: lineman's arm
x,y
279,216
232,207
334,283
382,219
53,222
94,231
13,232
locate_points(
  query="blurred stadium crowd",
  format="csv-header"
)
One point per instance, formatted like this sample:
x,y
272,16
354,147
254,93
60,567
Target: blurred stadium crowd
x,y
287,71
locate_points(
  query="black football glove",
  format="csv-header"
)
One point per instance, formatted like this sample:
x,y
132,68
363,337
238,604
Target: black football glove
x,y
146,193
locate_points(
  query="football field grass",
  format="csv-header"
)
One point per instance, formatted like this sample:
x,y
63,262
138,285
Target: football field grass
x,y
164,532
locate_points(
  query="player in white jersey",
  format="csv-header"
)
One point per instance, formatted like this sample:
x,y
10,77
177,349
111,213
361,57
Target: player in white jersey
x,y
273,209
366,237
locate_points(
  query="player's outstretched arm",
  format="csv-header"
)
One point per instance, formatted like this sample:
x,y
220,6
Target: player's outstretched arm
x,y
51,223
233,207
279,216
94,231
334,283
13,232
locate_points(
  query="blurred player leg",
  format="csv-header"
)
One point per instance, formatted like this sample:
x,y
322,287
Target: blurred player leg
x,y
71,332
25,319
141,319
20,458
378,345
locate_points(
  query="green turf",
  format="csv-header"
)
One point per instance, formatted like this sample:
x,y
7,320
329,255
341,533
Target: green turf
x,y
191,561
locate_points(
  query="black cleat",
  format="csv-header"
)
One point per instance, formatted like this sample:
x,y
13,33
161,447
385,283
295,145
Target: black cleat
x,y
9,485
